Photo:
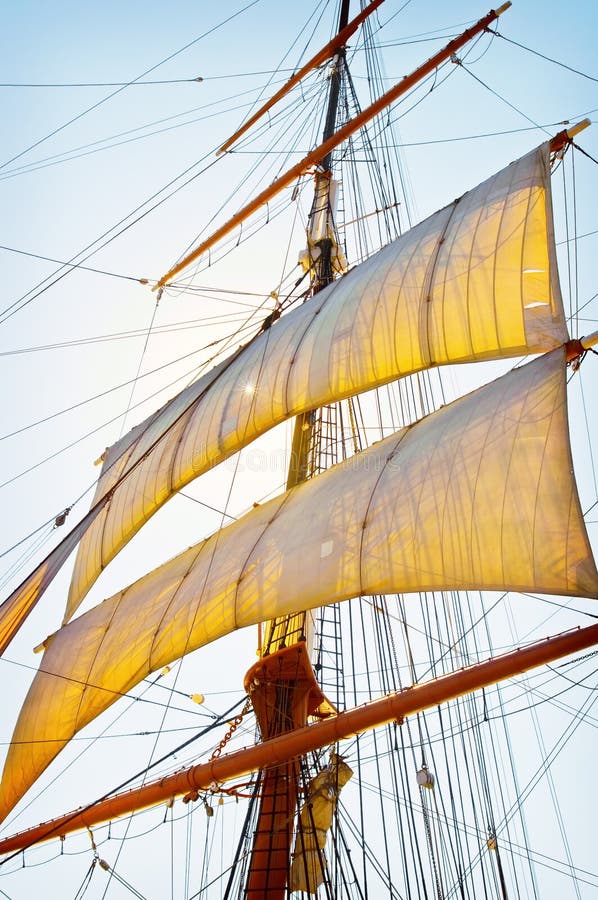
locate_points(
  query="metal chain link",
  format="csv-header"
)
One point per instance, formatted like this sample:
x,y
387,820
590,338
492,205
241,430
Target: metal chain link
x,y
233,727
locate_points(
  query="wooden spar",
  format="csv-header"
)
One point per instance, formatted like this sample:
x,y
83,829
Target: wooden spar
x,y
325,53
589,340
320,152
565,137
280,750
576,347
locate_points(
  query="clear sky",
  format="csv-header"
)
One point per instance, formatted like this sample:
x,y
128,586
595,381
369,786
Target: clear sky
x,y
114,148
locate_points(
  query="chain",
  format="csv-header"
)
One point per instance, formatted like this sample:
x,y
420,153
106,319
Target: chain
x,y
233,727
428,829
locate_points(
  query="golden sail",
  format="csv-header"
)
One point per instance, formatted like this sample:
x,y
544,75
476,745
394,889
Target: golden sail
x,y
477,495
450,290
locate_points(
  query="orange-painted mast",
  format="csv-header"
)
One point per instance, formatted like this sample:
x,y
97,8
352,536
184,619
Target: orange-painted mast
x,y
284,692
282,749
341,135
325,53
278,695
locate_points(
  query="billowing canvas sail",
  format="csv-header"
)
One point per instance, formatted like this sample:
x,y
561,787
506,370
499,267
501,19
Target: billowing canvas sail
x,y
480,494
476,280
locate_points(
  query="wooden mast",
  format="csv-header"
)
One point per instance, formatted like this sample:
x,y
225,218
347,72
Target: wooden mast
x,y
280,695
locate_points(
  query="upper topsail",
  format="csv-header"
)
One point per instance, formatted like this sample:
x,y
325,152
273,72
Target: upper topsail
x,y
476,280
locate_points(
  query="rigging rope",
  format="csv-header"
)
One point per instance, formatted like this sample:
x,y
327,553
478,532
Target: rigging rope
x,y
128,84
543,56
228,340
141,358
94,147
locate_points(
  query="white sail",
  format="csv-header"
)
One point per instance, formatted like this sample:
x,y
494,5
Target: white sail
x,y
450,290
480,494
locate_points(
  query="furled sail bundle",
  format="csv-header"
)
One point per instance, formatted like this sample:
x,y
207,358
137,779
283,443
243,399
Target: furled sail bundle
x,y
479,494
476,280
315,820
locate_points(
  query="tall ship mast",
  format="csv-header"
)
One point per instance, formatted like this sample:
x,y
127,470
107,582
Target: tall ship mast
x,y
410,553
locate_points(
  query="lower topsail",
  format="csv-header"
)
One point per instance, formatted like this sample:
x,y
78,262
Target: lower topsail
x,y
478,495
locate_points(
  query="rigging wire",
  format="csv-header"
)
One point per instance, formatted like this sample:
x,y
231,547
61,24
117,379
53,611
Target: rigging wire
x,y
509,765
133,81
86,881
575,296
207,505
198,78
543,56
117,694
110,235
141,358
503,99
448,140
581,150
492,134
95,146
119,878
228,318
109,421
28,536
590,449
75,265
124,384
549,777
94,84
57,522
25,557
539,858
536,777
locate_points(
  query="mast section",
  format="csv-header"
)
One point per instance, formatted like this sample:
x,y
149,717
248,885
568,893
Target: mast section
x,y
320,243
280,695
